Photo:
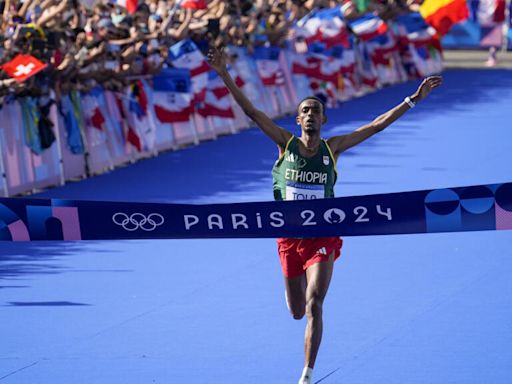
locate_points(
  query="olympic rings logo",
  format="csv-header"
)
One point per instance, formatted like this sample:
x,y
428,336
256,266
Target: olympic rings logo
x,y
138,221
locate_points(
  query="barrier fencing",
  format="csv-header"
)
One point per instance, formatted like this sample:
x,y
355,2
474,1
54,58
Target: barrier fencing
x,y
45,143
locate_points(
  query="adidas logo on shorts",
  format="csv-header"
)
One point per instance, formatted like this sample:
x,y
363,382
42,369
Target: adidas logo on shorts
x,y
322,251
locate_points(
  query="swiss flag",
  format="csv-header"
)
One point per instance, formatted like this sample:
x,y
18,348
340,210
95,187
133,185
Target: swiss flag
x,y
22,67
194,4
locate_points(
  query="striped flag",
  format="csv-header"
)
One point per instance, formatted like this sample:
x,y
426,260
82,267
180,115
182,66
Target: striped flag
x,y
305,65
212,106
268,66
442,14
131,135
186,55
172,95
324,25
217,101
415,29
217,86
72,122
368,26
487,12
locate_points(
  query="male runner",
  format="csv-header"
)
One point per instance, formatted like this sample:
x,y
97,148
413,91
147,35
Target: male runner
x,y
306,169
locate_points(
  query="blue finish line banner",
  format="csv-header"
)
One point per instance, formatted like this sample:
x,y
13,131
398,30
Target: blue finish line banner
x,y
473,208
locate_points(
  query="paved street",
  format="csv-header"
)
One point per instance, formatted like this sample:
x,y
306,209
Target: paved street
x,y
475,59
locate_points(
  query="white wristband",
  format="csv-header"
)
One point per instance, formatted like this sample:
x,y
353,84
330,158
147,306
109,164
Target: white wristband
x,y
409,102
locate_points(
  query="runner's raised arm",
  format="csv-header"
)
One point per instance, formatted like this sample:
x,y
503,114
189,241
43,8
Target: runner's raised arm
x,y
339,144
280,136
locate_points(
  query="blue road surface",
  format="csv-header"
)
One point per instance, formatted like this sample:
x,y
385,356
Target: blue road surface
x,y
413,309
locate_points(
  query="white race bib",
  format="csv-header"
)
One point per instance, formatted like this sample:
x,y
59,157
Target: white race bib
x,y
298,191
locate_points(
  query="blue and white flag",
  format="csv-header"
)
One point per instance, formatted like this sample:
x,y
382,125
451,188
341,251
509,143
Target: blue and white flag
x,y
324,25
368,26
268,66
186,55
172,95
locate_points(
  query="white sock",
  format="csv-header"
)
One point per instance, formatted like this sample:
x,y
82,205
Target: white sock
x,y
307,376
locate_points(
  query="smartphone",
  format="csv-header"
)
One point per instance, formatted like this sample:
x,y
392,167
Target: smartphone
x,y
213,28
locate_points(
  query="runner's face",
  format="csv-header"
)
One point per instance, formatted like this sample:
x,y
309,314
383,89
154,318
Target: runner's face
x,y
311,116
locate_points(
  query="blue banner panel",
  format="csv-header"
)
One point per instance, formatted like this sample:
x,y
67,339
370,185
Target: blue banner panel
x,y
473,208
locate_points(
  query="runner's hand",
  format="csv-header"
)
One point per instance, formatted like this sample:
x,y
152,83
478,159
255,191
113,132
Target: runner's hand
x,y
427,85
217,59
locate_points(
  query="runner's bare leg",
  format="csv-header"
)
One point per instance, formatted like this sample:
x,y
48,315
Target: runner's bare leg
x,y
296,295
318,280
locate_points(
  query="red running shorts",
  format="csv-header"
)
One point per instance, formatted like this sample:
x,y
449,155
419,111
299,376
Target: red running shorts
x,y
297,255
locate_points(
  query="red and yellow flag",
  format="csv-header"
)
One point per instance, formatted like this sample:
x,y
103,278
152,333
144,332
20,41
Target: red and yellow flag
x,y
442,14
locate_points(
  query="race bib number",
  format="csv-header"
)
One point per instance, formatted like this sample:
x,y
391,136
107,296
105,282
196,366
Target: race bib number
x,y
298,191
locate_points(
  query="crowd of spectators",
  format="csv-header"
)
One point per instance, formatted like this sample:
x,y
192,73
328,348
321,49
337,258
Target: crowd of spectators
x,y
90,43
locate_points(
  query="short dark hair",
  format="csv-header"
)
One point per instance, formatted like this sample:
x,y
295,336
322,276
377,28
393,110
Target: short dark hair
x,y
312,98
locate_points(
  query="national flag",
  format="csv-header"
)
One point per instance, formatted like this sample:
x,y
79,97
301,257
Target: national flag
x,y
217,86
217,101
325,65
212,106
130,5
487,12
23,66
133,138
97,119
442,14
172,95
308,28
483,29
131,135
185,54
368,27
194,4
324,25
141,96
367,70
267,64
383,44
140,119
345,55
326,92
330,62
305,65
416,29
147,125
30,118
72,122
93,116
138,100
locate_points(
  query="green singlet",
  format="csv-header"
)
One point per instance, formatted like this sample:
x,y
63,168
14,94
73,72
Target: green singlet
x,y
304,178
